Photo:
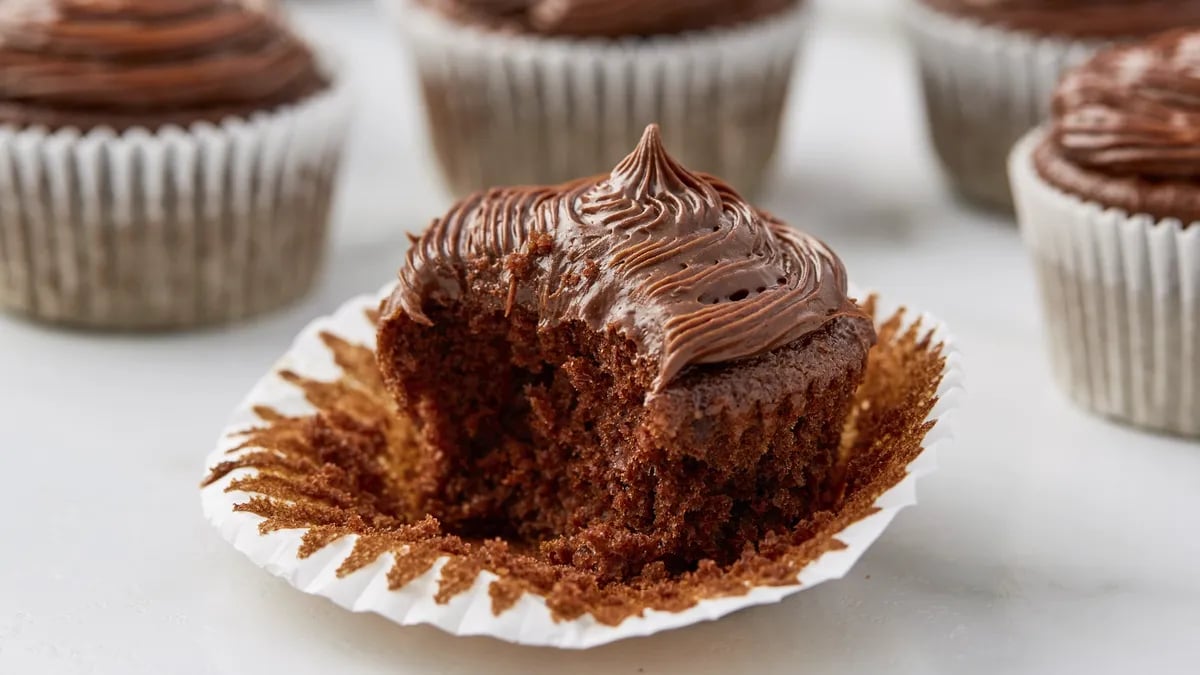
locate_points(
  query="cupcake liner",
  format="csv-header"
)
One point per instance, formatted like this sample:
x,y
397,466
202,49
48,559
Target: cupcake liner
x,y
984,88
1121,295
315,561
508,109
168,228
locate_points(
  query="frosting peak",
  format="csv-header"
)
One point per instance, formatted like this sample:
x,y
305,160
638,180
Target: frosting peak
x,y
650,172
1134,110
673,260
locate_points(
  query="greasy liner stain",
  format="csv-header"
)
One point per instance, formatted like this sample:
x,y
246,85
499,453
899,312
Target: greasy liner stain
x,y
348,468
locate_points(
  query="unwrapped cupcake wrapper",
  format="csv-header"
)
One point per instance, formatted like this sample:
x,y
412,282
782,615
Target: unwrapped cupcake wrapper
x,y
1121,295
529,621
168,228
507,109
984,88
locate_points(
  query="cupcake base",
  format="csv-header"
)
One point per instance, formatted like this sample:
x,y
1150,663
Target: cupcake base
x,y
1121,295
510,109
167,229
370,548
984,88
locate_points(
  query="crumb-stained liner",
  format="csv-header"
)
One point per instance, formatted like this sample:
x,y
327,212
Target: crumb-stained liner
x,y
261,495
512,109
984,87
168,228
1121,294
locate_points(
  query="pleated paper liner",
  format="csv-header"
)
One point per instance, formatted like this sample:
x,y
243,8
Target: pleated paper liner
x,y
1121,298
168,228
984,88
309,481
512,109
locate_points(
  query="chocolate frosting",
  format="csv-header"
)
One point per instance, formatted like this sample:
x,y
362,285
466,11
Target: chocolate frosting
x,y
146,62
607,18
1101,19
1126,128
675,261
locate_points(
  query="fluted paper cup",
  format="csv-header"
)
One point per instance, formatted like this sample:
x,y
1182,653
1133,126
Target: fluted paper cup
x,y
1121,294
168,228
259,497
984,87
510,109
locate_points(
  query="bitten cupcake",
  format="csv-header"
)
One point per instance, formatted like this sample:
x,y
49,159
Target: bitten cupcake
x,y
544,91
635,369
1108,198
587,411
163,163
989,67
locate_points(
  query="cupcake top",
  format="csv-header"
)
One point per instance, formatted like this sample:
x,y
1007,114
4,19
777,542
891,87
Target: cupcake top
x,y
1126,129
675,261
125,63
606,18
1078,18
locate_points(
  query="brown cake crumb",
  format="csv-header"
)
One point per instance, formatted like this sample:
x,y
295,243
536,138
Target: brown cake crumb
x,y
350,469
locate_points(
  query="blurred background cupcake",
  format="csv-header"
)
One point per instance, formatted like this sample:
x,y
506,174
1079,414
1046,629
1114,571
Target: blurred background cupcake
x,y
1108,200
989,67
542,91
163,163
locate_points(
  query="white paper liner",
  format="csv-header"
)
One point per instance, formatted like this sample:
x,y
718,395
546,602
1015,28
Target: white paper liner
x,y
508,109
1121,295
529,622
168,228
984,87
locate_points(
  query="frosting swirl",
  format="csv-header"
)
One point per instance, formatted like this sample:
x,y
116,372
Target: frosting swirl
x,y
675,261
1126,128
130,62
1135,109
1078,18
607,18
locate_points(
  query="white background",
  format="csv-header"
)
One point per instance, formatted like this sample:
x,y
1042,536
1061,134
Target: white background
x,y
1049,542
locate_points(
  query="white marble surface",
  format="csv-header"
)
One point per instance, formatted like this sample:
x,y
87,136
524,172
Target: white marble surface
x,y
1049,542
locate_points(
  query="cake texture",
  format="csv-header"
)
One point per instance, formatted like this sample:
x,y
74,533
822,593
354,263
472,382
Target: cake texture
x,y
631,370
163,163
989,68
1109,201
535,92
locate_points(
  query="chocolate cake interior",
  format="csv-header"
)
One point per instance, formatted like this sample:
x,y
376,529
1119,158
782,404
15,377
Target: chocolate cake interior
x,y
545,438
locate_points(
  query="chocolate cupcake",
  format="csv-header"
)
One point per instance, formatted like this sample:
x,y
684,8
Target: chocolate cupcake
x,y
1108,197
537,92
163,163
635,369
989,67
